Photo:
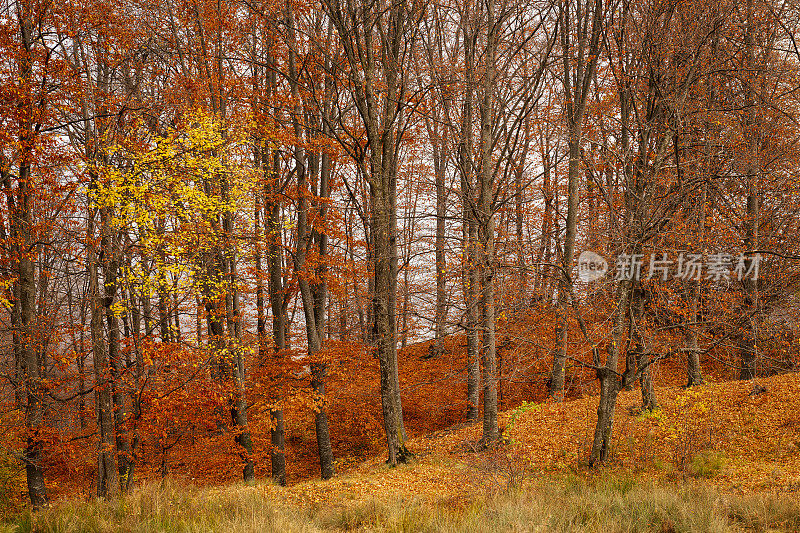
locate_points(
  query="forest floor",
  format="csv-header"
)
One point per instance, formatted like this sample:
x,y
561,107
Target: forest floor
x,y
713,458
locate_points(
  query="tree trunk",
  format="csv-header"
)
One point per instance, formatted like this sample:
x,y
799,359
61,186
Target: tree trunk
x,y
748,344
239,401
163,296
383,328
694,369
31,367
441,278
641,359
107,472
27,361
576,77
609,381
314,297
110,264
138,365
486,236
469,278
377,84
519,225
279,320
543,255
320,291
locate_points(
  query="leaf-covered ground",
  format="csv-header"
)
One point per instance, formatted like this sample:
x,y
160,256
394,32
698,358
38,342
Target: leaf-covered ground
x,y
718,434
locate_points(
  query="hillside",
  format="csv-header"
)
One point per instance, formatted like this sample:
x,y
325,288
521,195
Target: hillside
x,y
756,438
544,437
711,442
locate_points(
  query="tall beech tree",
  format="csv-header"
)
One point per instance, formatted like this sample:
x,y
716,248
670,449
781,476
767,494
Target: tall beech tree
x,y
515,48
30,72
580,30
652,88
377,40
313,173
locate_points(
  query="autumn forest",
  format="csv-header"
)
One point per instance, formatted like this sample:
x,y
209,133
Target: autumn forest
x,y
268,240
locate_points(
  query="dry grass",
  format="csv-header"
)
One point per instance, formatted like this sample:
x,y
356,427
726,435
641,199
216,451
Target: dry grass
x,y
571,505
168,507
561,504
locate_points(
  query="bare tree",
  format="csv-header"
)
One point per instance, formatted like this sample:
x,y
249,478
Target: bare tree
x,y
580,26
377,39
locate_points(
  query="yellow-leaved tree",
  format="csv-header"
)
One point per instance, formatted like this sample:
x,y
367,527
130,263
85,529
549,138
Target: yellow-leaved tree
x,y
175,199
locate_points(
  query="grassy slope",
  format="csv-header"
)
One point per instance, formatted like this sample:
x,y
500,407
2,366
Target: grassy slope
x,y
712,459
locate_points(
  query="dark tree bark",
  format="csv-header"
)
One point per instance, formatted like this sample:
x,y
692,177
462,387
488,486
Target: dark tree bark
x,y
25,337
109,243
650,200
638,355
279,318
377,41
108,485
469,273
436,121
748,345
22,218
320,291
313,295
485,215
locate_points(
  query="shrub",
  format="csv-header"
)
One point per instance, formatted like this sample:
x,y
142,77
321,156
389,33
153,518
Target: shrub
x,y
706,464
